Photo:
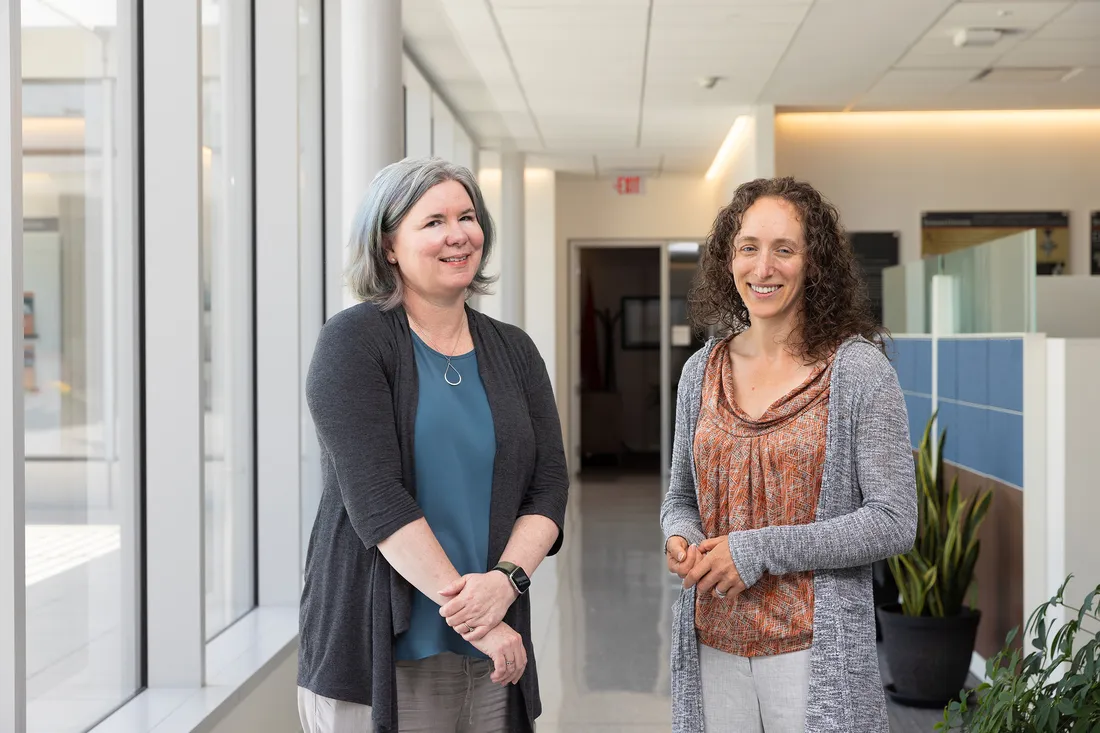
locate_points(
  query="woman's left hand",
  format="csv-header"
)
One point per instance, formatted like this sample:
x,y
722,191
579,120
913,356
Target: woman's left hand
x,y
716,570
478,602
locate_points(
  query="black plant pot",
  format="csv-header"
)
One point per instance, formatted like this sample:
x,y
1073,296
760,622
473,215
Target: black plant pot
x,y
928,658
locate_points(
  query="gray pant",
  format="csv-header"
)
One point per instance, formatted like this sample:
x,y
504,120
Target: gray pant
x,y
754,694
447,693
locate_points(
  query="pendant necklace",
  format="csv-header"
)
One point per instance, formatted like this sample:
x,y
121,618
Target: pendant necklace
x,y
450,367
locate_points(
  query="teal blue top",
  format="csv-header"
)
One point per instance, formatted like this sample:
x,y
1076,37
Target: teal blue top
x,y
455,448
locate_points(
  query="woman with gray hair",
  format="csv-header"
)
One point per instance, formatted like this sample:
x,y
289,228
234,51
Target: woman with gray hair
x,y
444,478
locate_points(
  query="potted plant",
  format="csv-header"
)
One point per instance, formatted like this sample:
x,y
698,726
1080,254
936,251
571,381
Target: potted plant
x,y
1054,688
929,636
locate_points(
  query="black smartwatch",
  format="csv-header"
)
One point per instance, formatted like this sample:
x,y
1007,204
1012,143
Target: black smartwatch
x,y
515,574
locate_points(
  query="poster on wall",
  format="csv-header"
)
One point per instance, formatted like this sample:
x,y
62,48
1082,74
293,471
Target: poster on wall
x,y
1094,253
875,251
944,232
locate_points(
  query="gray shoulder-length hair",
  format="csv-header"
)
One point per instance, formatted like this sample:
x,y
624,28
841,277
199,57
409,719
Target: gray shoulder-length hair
x,y
392,193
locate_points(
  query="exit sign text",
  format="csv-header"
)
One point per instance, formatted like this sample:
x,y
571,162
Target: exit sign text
x,y
628,185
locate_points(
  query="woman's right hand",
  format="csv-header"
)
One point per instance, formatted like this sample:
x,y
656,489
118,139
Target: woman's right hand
x,y
503,645
681,557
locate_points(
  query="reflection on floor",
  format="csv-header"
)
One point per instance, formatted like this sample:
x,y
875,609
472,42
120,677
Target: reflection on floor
x,y
602,619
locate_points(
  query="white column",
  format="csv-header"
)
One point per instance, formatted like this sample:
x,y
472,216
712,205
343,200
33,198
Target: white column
x,y
278,363
13,606
764,140
173,306
372,114
511,236
418,112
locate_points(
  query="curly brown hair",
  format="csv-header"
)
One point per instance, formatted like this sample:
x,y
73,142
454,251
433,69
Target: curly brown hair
x,y
835,304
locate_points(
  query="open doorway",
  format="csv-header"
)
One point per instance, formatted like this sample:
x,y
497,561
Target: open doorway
x,y
629,340
620,359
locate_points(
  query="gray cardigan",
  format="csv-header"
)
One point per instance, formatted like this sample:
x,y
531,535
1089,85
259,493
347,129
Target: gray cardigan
x,y
867,511
362,389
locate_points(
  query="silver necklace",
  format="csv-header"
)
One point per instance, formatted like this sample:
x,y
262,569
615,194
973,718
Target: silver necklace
x,y
450,367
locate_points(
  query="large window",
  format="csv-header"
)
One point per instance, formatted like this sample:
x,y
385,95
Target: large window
x,y
228,317
311,236
81,378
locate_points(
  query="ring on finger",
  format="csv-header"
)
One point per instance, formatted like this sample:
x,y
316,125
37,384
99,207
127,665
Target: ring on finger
x,y
720,594
469,629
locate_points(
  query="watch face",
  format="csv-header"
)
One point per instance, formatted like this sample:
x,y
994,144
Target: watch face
x,y
521,580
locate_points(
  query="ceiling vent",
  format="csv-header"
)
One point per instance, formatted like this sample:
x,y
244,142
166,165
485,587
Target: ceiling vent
x,y
1023,75
977,37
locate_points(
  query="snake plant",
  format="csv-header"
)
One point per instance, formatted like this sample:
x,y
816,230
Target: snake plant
x,y
934,577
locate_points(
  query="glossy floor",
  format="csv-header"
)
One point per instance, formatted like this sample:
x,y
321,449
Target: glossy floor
x,y
602,616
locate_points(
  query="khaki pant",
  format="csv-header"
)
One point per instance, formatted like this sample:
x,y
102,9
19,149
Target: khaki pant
x,y
447,693
754,695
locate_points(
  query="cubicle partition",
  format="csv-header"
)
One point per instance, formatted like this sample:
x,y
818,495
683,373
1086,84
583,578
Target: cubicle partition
x,y
1016,404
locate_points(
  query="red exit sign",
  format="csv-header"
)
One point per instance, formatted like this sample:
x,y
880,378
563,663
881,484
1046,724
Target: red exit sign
x,y
628,185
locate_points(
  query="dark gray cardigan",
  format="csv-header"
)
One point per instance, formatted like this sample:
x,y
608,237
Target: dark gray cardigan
x,y
362,391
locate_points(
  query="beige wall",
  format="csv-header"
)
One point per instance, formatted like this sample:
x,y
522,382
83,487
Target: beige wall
x,y
671,208
883,169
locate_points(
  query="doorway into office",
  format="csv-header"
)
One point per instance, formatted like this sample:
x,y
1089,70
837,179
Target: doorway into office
x,y
629,340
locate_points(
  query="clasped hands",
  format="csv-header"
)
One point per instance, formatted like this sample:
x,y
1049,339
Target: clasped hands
x,y
475,611
708,566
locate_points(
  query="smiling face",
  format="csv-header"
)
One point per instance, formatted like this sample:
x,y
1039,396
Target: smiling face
x,y
437,246
769,260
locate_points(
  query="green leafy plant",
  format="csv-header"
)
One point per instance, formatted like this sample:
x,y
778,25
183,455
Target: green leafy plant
x,y
934,576
1054,689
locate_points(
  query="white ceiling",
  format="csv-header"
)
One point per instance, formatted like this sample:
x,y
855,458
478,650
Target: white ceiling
x,y
598,86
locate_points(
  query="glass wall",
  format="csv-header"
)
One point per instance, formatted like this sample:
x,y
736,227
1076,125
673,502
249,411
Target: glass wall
x,y
991,287
228,318
987,288
81,378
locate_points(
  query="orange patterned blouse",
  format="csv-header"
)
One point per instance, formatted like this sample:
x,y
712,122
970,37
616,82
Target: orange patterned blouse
x,y
753,474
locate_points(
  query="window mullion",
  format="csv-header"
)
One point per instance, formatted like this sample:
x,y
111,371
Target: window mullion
x,y
13,637
278,301
175,574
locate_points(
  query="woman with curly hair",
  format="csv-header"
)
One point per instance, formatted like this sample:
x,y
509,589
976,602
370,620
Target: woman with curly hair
x,y
792,473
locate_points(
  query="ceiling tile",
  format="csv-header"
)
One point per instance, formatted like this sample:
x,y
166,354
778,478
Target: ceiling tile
x,y
845,46
1015,15
1063,52
1081,20
939,52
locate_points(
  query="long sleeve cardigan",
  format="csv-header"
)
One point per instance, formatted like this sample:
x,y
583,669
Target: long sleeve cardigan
x,y
867,511
362,389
